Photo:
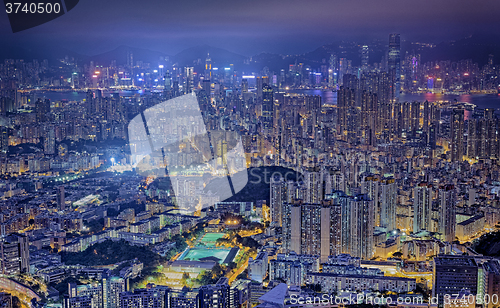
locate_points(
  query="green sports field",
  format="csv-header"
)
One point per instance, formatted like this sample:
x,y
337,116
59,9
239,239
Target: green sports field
x,y
209,239
195,254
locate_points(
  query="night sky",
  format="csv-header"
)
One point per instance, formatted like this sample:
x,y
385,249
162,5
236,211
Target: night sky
x,y
252,26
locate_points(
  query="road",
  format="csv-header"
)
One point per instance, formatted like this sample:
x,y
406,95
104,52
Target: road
x,y
238,271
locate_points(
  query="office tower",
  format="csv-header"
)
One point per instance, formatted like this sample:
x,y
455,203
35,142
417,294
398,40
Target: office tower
x,y
151,297
215,295
364,57
332,71
457,134
447,212
278,196
61,201
411,71
15,254
267,107
422,207
387,199
453,274
208,68
394,66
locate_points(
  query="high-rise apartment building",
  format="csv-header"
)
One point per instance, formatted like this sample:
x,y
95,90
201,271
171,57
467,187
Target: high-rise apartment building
x,y
387,199
453,274
422,207
215,295
14,254
457,134
447,212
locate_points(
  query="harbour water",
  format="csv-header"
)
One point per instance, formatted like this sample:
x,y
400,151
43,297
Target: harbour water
x,y
328,97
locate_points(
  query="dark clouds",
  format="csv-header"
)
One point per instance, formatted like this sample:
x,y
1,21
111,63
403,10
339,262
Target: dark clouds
x,y
249,27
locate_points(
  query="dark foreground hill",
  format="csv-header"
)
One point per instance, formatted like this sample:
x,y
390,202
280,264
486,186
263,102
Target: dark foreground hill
x,y
258,187
489,244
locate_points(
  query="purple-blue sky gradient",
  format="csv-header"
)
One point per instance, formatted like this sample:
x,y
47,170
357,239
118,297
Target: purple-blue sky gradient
x,y
250,27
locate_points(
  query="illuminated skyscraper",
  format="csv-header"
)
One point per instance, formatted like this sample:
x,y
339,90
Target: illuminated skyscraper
x,y
388,194
422,207
267,107
357,225
314,186
394,66
370,186
49,142
277,198
447,212
346,101
14,254
208,68
364,57
188,79
215,295
167,90
457,134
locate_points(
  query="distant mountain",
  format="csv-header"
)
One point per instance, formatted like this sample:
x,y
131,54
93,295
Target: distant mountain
x,y
121,54
38,52
476,47
220,57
